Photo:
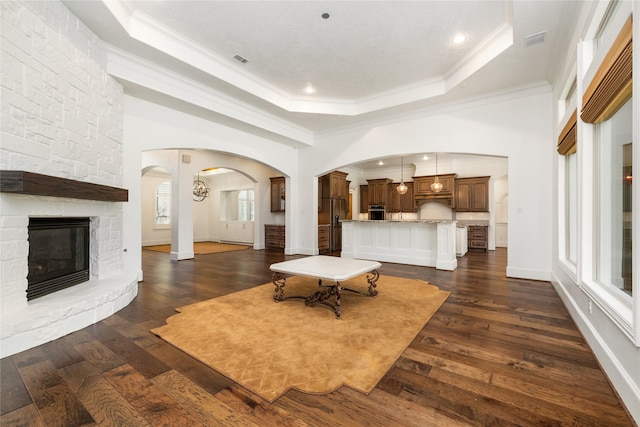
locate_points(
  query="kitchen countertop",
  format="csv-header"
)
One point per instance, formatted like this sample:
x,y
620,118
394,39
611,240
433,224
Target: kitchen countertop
x,y
423,221
473,222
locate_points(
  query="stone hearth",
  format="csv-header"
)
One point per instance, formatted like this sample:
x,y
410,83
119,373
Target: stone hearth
x,y
25,324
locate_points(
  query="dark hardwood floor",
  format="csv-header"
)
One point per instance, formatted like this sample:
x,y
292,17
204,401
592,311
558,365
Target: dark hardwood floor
x,y
499,352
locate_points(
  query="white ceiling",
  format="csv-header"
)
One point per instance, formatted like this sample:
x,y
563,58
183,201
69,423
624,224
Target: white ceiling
x,y
368,60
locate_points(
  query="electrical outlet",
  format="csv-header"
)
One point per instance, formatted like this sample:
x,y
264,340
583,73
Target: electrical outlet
x,y
590,306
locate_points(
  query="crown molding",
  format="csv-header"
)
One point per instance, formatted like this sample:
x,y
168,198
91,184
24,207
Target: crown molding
x,y
129,68
528,89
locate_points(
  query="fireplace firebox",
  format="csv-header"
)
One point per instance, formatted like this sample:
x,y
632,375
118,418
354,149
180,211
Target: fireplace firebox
x,y
58,254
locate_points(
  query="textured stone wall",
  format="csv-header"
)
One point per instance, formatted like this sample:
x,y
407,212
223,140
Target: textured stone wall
x,y
61,111
61,115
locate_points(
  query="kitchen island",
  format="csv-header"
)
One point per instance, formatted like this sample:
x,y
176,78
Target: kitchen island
x,y
430,243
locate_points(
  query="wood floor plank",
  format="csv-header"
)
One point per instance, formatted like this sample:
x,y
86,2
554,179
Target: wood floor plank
x,y
201,374
138,333
60,354
258,410
490,372
151,402
145,363
201,404
465,404
14,394
101,357
411,414
79,337
100,398
608,409
27,416
525,397
57,404
453,347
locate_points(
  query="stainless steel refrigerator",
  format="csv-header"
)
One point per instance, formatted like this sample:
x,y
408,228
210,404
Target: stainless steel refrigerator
x,y
333,211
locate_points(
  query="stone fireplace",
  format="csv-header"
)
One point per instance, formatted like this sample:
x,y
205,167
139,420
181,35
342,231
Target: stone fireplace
x,y
105,290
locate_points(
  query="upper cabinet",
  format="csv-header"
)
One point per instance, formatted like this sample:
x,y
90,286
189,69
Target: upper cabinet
x,y
401,202
364,199
334,186
472,194
422,184
422,189
378,191
278,196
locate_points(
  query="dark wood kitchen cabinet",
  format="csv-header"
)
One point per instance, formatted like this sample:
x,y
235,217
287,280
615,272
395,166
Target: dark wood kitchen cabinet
x,y
274,236
472,194
323,237
278,195
422,192
422,184
401,202
364,199
477,237
334,186
378,191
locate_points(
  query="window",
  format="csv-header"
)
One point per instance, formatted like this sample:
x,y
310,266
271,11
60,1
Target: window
x,y
614,205
163,203
245,205
239,205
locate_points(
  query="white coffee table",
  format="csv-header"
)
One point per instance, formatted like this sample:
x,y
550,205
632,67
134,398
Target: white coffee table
x,y
329,268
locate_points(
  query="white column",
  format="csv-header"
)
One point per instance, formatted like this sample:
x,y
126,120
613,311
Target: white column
x,y
182,212
446,246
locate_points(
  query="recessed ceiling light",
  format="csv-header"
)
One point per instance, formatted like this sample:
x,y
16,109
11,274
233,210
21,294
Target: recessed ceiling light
x,y
380,163
459,38
425,157
309,89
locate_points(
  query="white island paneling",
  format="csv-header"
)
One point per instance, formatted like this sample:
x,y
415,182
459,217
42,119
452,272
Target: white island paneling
x,y
427,243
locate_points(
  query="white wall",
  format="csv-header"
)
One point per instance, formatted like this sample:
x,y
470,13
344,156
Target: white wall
x,y
152,127
152,234
209,222
516,126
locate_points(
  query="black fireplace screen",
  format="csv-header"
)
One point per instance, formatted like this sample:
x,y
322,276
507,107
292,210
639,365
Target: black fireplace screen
x,y
58,254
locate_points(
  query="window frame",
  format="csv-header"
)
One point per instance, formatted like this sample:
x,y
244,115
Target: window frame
x,y
617,305
156,225
250,201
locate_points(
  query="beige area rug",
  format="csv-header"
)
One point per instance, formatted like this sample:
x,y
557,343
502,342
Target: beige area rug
x,y
270,347
202,248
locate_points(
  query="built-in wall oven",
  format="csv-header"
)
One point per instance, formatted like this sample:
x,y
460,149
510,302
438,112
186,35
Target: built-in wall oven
x,y
376,212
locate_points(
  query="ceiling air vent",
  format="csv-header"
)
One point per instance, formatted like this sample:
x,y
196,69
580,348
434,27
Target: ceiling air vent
x,y
240,59
535,38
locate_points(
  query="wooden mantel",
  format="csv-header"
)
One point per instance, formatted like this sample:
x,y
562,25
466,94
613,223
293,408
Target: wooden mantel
x,y
21,182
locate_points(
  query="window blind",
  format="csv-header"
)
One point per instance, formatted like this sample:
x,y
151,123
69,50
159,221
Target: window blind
x,y
611,85
567,141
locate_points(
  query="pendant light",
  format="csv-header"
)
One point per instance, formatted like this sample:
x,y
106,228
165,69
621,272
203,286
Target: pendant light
x,y
436,187
200,190
402,188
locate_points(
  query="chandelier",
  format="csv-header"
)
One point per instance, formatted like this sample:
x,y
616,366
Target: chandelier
x,y
402,188
436,187
200,190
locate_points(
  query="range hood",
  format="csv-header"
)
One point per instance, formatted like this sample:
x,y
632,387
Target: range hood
x,y
422,192
445,199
